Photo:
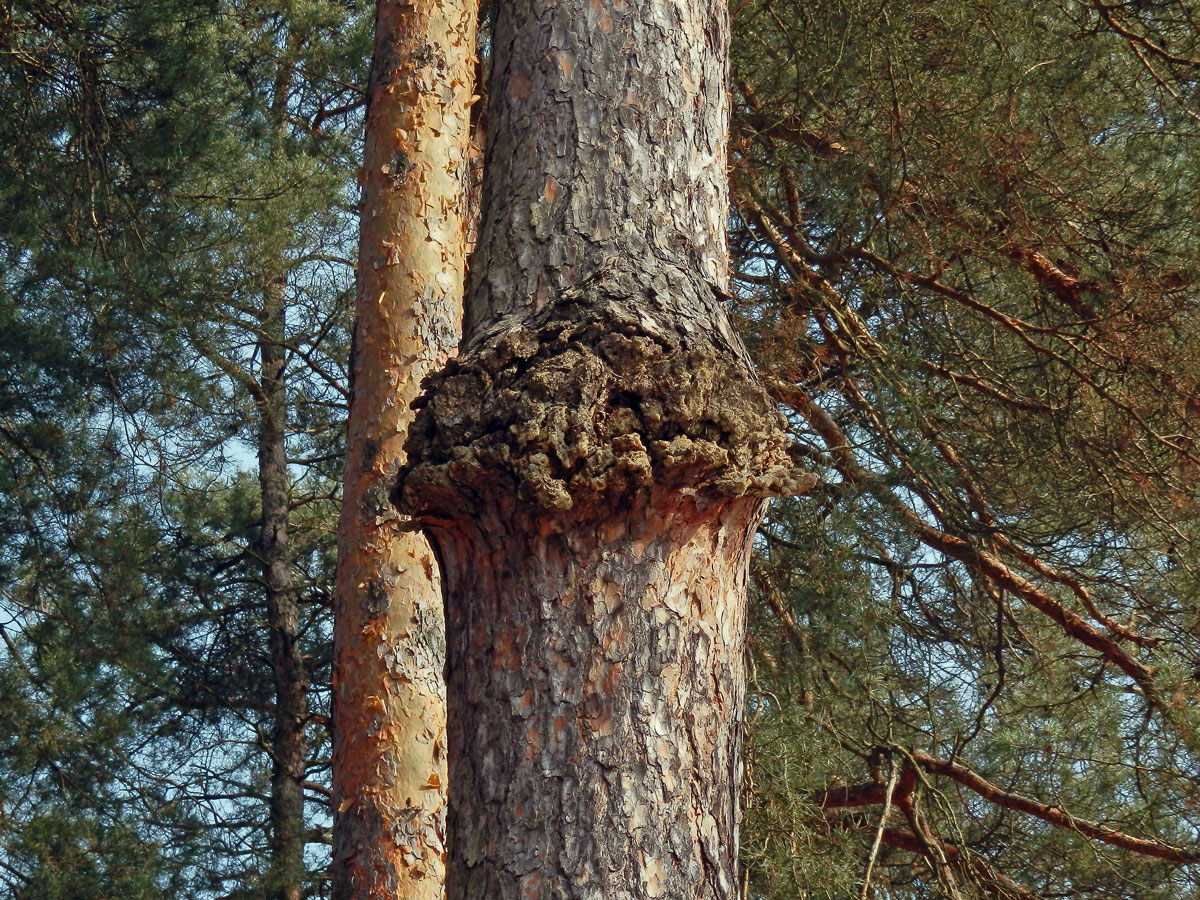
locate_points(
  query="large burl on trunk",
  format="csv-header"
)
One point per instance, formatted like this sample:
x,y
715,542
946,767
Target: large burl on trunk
x,y
592,468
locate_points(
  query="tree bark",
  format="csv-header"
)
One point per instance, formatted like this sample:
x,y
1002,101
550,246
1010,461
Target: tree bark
x,y
288,746
389,762
592,469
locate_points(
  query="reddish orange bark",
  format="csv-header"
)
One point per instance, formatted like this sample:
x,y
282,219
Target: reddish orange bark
x,y
389,771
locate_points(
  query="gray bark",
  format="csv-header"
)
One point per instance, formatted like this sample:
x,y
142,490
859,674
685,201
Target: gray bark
x,y
607,130
289,672
592,468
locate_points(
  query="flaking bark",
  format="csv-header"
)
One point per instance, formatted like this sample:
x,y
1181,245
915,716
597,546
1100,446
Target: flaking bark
x,y
389,765
593,466
592,481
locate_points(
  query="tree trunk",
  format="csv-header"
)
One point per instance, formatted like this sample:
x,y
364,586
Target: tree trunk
x,y
592,469
389,762
288,749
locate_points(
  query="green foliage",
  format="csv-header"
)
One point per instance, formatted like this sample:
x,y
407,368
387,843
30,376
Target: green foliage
x,y
165,161
74,857
967,257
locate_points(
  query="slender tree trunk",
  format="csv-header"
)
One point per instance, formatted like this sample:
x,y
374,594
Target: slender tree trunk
x,y
389,762
592,469
288,745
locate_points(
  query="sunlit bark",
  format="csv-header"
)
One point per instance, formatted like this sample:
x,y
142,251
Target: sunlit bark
x,y
389,771
592,469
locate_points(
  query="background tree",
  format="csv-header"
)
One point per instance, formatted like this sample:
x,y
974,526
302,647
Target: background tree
x,y
176,221
966,265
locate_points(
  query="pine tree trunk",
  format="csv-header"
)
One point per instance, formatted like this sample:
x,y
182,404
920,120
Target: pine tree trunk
x,y
288,747
389,763
592,469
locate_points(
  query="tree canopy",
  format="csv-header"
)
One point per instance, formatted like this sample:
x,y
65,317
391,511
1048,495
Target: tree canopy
x,y
164,163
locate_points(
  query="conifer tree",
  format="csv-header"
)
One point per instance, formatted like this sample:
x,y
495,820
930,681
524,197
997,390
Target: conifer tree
x,y
963,262
965,266
177,218
592,466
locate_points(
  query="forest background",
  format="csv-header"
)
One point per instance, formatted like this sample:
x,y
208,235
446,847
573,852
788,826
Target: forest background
x,y
965,261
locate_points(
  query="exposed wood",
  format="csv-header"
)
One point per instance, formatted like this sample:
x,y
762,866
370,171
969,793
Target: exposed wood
x,y
865,794
993,882
874,792
1053,814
